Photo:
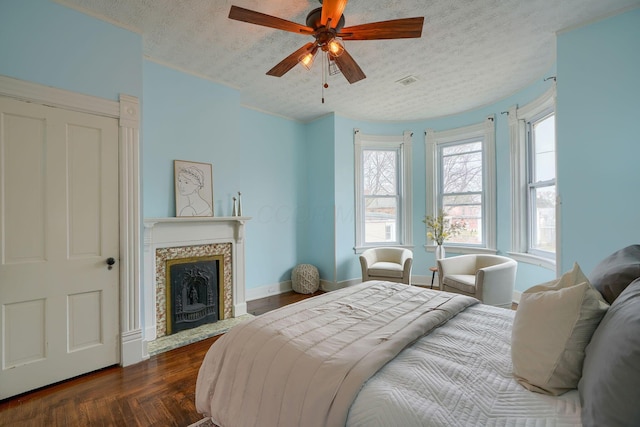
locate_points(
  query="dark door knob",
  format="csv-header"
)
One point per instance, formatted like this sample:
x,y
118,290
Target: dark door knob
x,y
110,262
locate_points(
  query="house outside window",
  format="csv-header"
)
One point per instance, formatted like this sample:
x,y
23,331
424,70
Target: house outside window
x,y
383,189
533,170
462,183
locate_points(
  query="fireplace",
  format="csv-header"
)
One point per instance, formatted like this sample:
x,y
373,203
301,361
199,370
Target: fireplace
x,y
166,258
194,293
170,240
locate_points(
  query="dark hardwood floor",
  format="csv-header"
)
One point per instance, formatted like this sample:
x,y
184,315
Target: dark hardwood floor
x,y
157,392
263,305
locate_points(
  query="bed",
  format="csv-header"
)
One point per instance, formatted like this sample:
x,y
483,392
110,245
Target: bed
x,y
388,354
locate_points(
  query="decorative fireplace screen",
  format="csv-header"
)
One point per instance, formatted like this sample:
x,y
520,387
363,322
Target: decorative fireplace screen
x,y
195,294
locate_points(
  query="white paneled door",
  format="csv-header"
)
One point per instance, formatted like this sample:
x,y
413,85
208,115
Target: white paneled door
x,y
58,233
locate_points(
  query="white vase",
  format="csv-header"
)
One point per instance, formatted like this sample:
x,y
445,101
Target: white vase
x,y
439,252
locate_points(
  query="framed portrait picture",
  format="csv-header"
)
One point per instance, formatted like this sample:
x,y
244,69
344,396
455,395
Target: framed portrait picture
x,y
194,188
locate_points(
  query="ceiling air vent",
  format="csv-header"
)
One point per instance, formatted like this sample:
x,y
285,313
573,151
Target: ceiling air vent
x,y
406,81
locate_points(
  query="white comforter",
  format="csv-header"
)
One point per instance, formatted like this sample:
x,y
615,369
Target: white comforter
x,y
460,375
303,365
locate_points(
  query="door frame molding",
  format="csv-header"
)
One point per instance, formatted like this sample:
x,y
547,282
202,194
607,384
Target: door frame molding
x,y
127,111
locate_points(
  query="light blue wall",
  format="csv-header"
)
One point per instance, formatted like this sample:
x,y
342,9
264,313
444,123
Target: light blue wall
x,y
260,155
273,193
598,138
344,189
188,118
318,218
43,42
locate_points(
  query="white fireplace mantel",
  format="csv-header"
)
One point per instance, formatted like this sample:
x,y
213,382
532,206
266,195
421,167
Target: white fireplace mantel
x,y
191,231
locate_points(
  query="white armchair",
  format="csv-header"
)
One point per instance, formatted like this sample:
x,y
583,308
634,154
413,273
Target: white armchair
x,y
490,278
390,264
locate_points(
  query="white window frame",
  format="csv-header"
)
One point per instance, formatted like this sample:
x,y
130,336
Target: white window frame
x,y
484,131
519,117
403,144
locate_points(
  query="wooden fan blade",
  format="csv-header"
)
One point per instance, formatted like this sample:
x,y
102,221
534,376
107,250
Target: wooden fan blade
x,y
406,28
253,17
349,68
332,10
290,61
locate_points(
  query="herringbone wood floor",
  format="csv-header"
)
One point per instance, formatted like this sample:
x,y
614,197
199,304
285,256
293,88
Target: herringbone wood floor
x,y
156,392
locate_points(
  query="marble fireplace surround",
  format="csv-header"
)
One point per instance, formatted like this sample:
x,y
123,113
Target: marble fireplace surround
x,y
171,238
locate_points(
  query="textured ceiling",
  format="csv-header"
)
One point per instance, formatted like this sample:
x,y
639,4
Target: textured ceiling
x,y
472,52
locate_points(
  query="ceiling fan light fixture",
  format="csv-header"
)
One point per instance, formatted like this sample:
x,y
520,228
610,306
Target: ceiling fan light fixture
x,y
335,47
307,59
333,67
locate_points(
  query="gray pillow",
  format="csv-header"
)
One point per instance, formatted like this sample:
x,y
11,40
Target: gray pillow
x,y
615,272
610,384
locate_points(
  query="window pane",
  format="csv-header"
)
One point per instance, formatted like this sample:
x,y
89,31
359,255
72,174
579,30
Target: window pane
x,y
542,190
381,219
462,172
380,172
462,188
466,208
461,148
543,227
461,199
544,140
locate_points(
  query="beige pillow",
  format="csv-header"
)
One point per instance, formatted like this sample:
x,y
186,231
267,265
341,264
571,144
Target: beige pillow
x,y
552,326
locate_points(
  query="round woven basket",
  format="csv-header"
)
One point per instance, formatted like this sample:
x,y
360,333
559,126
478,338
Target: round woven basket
x,y
305,279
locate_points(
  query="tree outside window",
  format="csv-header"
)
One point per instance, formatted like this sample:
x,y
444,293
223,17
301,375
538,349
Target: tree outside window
x,y
381,195
462,185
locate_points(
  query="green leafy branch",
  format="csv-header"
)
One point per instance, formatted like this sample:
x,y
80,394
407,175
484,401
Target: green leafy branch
x,y
441,228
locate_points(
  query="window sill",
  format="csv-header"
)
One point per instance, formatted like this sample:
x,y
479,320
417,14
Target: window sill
x,y
462,249
547,263
360,249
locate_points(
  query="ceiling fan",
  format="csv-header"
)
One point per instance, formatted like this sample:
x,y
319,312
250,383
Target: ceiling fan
x,y
326,25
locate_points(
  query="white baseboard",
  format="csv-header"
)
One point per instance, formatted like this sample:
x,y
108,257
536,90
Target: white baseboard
x,y
133,348
282,287
150,332
267,291
239,309
516,296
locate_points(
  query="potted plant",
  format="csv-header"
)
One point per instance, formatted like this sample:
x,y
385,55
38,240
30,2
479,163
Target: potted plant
x,y
440,228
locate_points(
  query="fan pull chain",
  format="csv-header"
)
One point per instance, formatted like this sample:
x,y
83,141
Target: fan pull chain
x,y
324,77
